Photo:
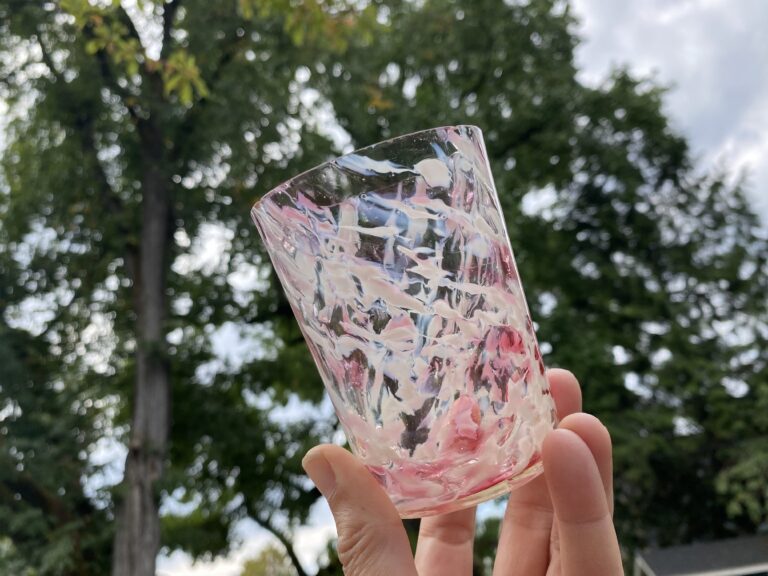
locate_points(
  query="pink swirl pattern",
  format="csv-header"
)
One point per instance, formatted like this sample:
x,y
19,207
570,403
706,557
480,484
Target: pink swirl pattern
x,y
398,267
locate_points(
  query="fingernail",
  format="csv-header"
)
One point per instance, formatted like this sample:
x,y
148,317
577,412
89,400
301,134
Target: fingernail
x,y
320,472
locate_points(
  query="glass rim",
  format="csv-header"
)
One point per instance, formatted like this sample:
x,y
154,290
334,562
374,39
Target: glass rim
x,y
279,188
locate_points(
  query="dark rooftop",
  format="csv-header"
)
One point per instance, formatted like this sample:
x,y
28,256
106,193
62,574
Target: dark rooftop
x,y
706,557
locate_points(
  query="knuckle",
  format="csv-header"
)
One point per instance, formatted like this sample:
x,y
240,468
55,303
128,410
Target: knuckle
x,y
360,544
531,516
356,551
453,533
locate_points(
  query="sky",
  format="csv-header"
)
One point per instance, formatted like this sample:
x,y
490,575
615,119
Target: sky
x,y
713,57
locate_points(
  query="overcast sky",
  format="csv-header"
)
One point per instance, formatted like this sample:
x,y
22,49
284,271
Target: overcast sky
x,y
713,54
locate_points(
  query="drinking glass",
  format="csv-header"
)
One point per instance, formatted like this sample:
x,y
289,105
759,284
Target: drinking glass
x,y
396,261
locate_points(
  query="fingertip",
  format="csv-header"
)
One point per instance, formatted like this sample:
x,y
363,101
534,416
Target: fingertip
x,y
566,391
598,440
561,373
347,483
573,478
343,464
558,445
588,427
320,471
327,451
312,453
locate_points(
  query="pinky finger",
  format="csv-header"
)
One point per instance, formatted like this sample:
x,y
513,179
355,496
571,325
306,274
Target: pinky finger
x,y
588,543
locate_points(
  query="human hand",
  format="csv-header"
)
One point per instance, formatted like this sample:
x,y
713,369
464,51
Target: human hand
x,y
559,524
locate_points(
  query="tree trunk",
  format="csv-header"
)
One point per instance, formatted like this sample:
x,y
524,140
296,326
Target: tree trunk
x,y
137,539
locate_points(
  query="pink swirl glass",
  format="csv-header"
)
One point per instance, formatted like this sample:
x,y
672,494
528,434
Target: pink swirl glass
x,y
396,261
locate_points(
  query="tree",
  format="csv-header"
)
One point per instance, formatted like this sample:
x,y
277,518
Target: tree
x,y
640,268
486,540
51,525
122,144
138,138
40,488
270,562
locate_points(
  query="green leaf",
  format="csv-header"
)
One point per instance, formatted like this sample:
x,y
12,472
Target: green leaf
x,y
92,46
200,87
185,93
172,83
246,9
297,35
77,8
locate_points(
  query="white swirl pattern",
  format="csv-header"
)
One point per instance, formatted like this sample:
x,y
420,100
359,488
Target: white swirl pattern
x,y
401,276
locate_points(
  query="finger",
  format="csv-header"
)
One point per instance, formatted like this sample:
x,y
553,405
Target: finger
x,y
445,544
598,440
372,539
588,543
565,391
525,533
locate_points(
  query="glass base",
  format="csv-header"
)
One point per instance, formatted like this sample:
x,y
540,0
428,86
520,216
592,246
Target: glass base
x,y
494,491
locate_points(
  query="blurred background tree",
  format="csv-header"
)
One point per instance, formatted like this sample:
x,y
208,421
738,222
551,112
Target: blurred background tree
x,y
271,561
646,276
138,135
135,141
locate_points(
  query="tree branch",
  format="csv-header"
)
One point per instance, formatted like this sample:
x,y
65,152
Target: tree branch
x,y
155,80
47,60
267,525
84,126
132,31
192,117
169,13
103,62
111,81
83,122
153,75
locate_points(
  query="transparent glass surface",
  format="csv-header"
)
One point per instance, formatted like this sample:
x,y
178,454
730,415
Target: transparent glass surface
x,y
397,263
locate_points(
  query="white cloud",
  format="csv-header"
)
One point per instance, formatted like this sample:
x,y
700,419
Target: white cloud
x,y
712,53
309,543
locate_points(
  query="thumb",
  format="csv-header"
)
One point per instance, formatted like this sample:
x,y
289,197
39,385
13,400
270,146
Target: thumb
x,y
372,540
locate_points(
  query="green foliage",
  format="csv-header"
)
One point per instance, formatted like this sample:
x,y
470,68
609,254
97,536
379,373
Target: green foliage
x,y
181,76
328,23
51,526
640,269
271,561
486,540
11,562
222,92
744,484
80,9
196,533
